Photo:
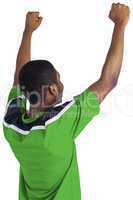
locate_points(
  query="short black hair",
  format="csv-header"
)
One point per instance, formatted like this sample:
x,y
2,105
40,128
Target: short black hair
x,y
34,75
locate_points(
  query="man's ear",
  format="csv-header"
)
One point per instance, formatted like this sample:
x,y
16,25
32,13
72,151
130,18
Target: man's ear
x,y
53,90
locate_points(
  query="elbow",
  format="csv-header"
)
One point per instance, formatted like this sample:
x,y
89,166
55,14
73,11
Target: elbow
x,y
113,83
109,83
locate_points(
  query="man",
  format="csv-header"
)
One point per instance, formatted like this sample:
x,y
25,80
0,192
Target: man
x,y
43,136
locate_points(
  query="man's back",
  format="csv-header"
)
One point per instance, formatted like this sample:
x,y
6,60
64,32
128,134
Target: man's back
x,y
45,147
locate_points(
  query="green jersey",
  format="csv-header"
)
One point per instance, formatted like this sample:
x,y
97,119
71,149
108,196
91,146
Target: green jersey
x,y
45,147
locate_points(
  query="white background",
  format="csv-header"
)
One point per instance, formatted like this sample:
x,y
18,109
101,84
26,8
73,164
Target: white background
x,y
75,37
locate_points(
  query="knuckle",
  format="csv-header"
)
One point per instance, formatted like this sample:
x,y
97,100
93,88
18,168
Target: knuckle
x,y
28,13
113,5
36,13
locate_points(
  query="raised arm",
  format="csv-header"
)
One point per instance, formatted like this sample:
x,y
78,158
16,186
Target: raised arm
x,y
33,21
119,14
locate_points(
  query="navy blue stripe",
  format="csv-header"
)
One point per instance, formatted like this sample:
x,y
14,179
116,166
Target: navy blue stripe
x,y
14,115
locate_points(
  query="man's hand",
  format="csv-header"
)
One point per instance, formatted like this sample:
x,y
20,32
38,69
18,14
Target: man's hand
x,y
119,14
33,21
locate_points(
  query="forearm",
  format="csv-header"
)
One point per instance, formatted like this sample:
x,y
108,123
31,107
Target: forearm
x,y
113,63
24,53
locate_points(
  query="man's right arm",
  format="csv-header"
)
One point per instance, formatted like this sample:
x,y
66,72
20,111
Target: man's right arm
x,y
119,14
33,21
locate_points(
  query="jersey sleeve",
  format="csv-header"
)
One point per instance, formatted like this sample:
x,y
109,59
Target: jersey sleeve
x,y
14,93
16,103
84,107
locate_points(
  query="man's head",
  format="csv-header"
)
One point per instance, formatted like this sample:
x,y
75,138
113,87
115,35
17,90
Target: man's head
x,y
41,83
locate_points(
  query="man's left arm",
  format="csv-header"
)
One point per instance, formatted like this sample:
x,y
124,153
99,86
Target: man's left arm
x,y
119,14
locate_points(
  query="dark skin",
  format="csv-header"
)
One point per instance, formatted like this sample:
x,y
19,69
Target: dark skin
x,y
119,14
52,97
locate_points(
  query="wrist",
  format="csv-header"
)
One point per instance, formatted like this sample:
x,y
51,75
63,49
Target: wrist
x,y
120,26
27,31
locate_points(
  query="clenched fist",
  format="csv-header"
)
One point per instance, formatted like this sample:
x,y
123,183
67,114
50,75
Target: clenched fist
x,y
119,14
33,21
